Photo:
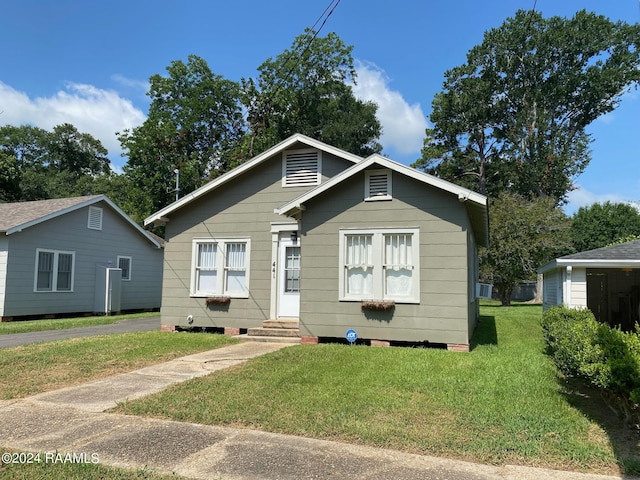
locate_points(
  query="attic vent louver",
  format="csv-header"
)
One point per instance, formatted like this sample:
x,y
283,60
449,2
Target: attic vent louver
x,y
95,218
377,185
301,168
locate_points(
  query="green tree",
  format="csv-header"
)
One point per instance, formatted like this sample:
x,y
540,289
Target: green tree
x,y
523,235
28,144
195,119
77,153
49,164
9,178
513,117
306,90
602,224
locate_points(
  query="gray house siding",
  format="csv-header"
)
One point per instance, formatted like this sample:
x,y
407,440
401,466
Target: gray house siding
x,y
69,233
442,316
4,251
239,209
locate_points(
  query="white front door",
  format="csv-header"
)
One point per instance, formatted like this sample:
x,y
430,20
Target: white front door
x,y
289,278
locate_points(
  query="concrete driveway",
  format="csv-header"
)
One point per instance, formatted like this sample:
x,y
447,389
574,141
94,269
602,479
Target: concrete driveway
x,y
124,326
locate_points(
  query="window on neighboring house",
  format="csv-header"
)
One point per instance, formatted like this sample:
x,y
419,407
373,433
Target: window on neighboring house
x,y
95,218
54,271
220,267
124,264
380,264
301,168
377,185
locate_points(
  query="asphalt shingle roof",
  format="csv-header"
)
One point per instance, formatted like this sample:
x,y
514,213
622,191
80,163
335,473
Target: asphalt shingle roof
x,y
19,213
624,251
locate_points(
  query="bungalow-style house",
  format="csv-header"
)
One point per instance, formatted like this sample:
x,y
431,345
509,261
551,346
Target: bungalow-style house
x,y
75,255
605,280
310,239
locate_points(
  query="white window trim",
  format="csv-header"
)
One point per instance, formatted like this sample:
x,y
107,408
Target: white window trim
x,y
95,213
220,252
54,280
367,184
284,167
130,266
378,256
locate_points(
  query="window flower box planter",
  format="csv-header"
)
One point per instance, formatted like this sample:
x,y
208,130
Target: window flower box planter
x,y
217,300
378,305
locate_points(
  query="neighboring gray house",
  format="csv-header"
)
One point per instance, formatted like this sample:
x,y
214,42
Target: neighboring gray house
x,y
75,255
311,238
605,280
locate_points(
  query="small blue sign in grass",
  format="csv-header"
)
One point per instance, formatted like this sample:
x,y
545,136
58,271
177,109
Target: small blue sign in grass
x,y
351,335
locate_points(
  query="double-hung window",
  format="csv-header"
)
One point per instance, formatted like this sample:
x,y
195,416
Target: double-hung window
x,y
380,264
54,271
220,267
124,264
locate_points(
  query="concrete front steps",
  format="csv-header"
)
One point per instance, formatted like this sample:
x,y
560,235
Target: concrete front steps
x,y
276,331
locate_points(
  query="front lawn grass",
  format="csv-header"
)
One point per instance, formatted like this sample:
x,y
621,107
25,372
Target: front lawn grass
x,y
75,471
501,403
27,326
31,369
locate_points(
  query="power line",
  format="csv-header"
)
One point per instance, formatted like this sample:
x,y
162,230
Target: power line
x,y
310,36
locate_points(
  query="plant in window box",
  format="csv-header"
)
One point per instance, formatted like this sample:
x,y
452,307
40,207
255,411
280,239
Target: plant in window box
x,y
378,305
218,300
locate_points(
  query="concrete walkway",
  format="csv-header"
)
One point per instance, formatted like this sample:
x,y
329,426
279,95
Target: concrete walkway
x,y
71,420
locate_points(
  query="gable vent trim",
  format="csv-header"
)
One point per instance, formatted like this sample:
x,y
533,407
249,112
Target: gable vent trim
x,y
301,168
95,218
377,185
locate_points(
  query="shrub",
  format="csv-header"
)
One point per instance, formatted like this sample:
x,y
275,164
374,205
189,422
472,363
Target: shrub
x,y
605,357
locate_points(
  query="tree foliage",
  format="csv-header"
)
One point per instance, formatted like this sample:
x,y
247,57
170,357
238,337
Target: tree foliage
x,y
306,90
513,117
523,235
602,224
37,164
195,119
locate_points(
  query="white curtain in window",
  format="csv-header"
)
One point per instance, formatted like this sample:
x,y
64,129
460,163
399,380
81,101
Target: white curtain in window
x,y
206,268
398,264
359,264
235,266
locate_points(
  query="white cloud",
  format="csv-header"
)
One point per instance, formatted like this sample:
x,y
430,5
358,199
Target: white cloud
x,y
91,110
581,197
140,85
403,125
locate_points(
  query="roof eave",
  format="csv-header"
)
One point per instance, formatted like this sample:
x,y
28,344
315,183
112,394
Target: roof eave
x,y
589,263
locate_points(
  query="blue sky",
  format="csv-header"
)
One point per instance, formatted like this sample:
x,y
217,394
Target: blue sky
x,y
88,62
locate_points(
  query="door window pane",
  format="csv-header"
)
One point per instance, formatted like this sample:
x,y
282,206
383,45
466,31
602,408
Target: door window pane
x,y
292,270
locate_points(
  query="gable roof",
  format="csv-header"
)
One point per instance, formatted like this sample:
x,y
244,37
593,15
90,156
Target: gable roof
x,y
18,216
161,215
476,203
616,256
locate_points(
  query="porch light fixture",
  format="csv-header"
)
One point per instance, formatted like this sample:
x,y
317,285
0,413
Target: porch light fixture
x,y
294,236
